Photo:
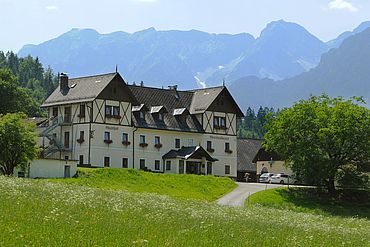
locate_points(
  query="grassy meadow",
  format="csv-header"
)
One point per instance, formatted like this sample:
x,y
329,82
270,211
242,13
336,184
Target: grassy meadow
x,y
313,201
207,188
44,213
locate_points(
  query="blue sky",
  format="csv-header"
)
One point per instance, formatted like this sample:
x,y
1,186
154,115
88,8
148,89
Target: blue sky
x,y
34,21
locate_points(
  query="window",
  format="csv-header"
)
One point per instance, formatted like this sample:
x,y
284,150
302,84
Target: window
x,y
227,169
106,161
82,111
219,122
106,136
141,115
55,111
124,137
209,168
142,164
112,111
209,146
81,160
124,163
108,111
177,143
157,165
160,116
67,114
227,146
168,165
66,139
66,157
181,167
142,139
81,139
82,135
157,140
115,111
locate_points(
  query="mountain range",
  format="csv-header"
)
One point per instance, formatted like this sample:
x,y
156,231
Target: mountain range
x,y
283,54
342,71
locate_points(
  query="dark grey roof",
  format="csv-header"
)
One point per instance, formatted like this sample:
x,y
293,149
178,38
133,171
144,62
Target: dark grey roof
x,y
266,155
169,100
193,152
86,89
247,149
203,98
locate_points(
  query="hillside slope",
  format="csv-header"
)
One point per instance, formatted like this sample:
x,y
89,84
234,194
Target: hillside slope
x,y
342,72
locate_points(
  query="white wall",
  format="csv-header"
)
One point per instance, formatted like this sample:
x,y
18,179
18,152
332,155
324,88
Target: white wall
x,y
49,168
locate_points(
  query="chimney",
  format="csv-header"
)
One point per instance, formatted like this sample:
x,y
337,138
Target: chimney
x,y
63,81
174,88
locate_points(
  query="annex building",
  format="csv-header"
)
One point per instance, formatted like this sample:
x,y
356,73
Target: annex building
x,y
101,121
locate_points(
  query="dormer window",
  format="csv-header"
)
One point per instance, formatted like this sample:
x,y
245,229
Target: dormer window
x,y
141,115
180,114
158,112
139,111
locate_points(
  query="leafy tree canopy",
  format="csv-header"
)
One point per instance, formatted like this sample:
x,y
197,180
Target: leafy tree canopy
x,y
321,137
17,142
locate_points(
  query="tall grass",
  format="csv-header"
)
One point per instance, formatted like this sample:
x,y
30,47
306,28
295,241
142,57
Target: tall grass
x,y
207,188
41,213
311,200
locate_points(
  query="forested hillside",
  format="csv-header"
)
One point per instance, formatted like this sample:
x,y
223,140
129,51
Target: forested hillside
x,y
24,84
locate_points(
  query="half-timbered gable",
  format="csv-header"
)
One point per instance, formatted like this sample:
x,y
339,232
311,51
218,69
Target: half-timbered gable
x,y
103,122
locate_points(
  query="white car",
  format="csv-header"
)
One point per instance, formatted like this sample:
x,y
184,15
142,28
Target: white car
x,y
265,178
282,178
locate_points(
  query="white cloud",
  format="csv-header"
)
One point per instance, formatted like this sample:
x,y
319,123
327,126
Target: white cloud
x,y
342,4
221,67
51,7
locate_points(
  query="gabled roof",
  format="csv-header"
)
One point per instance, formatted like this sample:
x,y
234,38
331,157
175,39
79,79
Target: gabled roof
x,y
203,98
86,89
264,155
193,152
246,151
214,99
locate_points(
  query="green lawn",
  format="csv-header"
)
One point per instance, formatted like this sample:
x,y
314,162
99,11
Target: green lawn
x,y
309,200
43,213
207,188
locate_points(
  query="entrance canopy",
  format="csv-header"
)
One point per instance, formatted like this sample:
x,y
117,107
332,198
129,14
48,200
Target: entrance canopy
x,y
194,152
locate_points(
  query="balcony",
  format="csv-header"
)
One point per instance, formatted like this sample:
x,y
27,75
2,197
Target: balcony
x,y
158,145
211,150
126,143
143,145
108,141
80,140
228,151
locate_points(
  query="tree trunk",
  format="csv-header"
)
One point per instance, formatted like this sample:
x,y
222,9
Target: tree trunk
x,y
331,186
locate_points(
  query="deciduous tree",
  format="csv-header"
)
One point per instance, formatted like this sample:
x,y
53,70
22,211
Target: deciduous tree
x,y
321,136
17,142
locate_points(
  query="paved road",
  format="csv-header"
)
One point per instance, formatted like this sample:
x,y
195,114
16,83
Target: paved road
x,y
237,197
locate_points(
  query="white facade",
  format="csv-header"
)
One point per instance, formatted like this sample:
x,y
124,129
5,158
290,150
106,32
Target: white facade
x,y
97,136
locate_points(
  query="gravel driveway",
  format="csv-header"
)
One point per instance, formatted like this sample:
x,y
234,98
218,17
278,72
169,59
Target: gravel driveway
x,y
237,197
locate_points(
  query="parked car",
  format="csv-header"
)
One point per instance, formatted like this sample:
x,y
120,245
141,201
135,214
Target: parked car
x,y
282,178
265,178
